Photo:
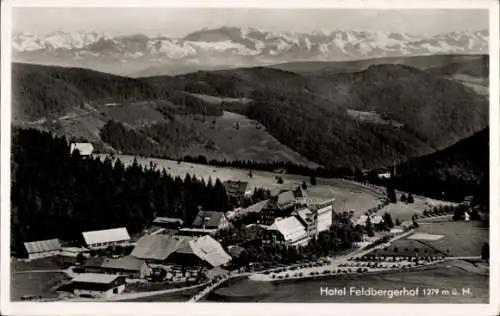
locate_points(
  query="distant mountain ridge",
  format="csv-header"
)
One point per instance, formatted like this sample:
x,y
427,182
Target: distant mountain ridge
x,y
207,49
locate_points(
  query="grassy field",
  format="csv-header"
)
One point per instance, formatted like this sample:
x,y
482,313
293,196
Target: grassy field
x,y
407,247
460,238
38,277
41,284
404,212
236,137
348,196
49,263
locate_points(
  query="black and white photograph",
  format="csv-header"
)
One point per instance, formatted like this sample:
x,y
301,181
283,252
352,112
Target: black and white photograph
x,y
253,154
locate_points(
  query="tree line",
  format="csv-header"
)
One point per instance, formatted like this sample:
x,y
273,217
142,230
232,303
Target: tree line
x,y
58,195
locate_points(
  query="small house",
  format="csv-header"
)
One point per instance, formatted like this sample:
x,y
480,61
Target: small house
x,y
84,149
104,238
94,285
168,222
210,220
42,248
128,266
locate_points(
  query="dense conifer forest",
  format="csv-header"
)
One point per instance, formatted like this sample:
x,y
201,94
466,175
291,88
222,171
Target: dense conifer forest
x,y
58,195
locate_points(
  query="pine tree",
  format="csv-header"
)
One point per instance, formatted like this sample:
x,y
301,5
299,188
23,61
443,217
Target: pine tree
x,y
313,179
403,198
410,199
388,220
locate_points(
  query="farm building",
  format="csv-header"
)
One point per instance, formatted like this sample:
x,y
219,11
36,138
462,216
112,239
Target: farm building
x,y
183,250
92,265
105,238
128,266
237,191
168,222
157,248
210,220
210,250
85,149
42,248
288,231
96,285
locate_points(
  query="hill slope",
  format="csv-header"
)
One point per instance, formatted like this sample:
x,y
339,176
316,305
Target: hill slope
x,y
459,170
322,116
136,117
420,62
357,120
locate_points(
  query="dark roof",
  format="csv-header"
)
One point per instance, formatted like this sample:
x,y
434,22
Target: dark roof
x,y
158,247
235,187
211,219
128,263
42,245
168,220
94,262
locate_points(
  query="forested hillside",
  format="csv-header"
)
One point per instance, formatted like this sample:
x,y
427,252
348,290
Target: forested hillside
x,y
451,174
49,92
321,116
55,195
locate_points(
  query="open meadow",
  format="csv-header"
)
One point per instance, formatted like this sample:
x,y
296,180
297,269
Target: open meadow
x,y
39,283
348,196
461,239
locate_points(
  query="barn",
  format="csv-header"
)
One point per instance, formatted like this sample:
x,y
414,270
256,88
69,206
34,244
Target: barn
x,y
42,248
105,238
95,285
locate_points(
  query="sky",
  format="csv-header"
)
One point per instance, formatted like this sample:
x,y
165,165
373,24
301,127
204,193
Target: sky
x,y
177,22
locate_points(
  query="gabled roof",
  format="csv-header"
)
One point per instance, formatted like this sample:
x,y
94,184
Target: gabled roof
x,y
236,187
85,149
95,278
158,247
168,220
106,235
93,262
211,219
290,227
285,199
127,263
42,246
209,250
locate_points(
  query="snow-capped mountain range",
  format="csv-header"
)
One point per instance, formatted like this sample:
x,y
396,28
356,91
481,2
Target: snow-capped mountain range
x,y
236,46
